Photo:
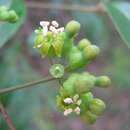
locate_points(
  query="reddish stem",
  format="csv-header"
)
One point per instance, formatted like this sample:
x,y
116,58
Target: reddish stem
x,y
7,119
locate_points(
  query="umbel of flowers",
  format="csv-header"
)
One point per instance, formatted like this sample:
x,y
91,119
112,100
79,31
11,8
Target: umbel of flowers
x,y
75,94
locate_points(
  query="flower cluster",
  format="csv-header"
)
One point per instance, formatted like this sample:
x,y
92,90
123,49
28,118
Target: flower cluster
x,y
49,39
8,15
75,94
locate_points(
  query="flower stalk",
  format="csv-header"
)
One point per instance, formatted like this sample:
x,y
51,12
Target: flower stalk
x,y
26,85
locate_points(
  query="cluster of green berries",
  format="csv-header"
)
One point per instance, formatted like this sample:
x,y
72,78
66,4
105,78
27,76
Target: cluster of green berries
x,y
75,94
8,15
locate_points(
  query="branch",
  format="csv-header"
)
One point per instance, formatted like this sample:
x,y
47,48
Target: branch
x,y
7,119
26,85
88,9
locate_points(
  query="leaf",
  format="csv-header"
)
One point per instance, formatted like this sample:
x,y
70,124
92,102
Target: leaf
x,y
7,30
120,15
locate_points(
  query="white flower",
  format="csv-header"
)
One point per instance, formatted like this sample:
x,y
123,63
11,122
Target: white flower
x,y
44,23
61,29
68,100
67,111
55,23
52,27
77,110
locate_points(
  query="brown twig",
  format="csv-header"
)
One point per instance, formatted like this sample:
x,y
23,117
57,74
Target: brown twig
x,y
98,8
6,117
26,85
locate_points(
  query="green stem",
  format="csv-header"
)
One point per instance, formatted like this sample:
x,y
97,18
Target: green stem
x,y
26,85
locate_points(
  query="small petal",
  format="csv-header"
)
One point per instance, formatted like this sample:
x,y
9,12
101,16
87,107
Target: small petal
x,y
75,98
36,31
44,23
44,31
44,49
53,29
67,111
79,102
58,45
60,29
55,24
77,110
68,100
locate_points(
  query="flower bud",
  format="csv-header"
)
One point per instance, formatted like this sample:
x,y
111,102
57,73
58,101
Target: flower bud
x,y
13,17
57,70
89,117
38,40
4,15
90,52
83,84
75,59
69,83
84,43
87,98
97,106
72,28
103,81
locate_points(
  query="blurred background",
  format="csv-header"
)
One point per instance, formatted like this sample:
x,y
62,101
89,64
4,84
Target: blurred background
x,y
35,108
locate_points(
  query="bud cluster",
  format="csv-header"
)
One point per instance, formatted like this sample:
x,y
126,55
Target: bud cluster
x,y
8,15
75,94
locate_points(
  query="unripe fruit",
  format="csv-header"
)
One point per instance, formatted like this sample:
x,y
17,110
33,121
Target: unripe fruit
x,y
89,117
103,81
75,59
97,106
12,16
57,70
90,52
84,43
83,84
72,28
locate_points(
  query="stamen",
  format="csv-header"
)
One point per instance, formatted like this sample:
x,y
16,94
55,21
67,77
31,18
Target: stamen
x,y
44,23
55,24
68,101
67,111
77,110
60,29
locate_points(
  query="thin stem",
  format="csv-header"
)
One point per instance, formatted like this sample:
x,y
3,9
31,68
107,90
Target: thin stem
x,y
89,9
26,85
7,119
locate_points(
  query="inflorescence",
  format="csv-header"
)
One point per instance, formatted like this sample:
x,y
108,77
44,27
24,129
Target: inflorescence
x,y
75,94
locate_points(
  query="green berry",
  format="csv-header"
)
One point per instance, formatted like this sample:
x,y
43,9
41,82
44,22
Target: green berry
x,y
89,117
90,52
72,28
57,70
103,81
83,84
84,43
97,106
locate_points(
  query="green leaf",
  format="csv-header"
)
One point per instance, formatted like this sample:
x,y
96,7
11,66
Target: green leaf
x,y
120,15
7,30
